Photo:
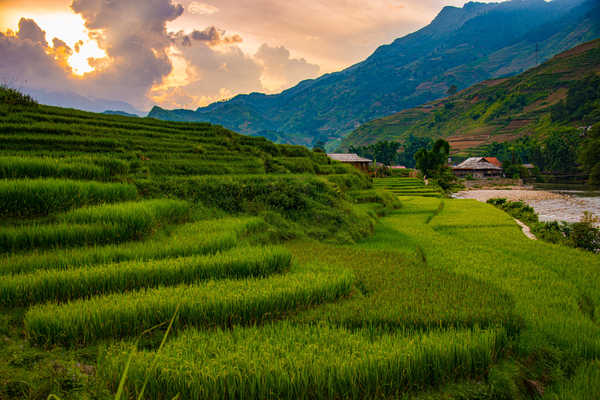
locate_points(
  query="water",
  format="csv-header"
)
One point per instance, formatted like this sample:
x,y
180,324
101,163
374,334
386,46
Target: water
x,y
571,208
551,202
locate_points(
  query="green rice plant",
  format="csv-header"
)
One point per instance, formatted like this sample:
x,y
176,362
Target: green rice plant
x,y
479,215
284,361
375,196
395,291
554,288
42,286
38,197
109,223
209,304
15,239
137,214
202,237
583,385
34,167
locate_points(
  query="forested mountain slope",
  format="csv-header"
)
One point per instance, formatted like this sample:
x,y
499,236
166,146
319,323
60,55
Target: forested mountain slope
x,y
461,46
561,94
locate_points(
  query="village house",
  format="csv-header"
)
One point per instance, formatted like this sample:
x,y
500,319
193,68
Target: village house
x,y
355,160
479,168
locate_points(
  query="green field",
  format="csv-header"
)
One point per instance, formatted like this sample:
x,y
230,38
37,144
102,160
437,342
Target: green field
x,y
406,187
275,272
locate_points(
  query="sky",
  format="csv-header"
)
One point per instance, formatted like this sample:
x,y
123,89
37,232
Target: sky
x,y
190,53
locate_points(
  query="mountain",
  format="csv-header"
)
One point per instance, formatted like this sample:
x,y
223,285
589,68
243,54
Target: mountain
x,y
121,113
461,46
73,100
562,92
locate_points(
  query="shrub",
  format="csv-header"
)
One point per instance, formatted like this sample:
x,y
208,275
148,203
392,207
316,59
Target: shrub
x,y
14,97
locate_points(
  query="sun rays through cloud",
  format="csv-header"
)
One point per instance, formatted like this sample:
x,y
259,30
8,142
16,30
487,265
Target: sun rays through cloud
x,y
182,53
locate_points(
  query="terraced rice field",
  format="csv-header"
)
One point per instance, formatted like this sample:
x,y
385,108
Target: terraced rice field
x,y
151,272
405,187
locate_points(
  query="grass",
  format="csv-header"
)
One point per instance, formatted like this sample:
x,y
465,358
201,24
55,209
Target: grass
x,y
44,167
112,223
61,286
584,385
284,361
403,186
398,292
202,237
547,282
39,197
447,298
214,303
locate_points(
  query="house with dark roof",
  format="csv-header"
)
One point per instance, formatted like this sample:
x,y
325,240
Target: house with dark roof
x,y
353,159
479,168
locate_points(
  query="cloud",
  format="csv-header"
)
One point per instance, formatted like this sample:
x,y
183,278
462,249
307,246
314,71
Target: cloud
x,y
28,29
280,70
135,38
201,8
212,72
210,36
145,63
28,61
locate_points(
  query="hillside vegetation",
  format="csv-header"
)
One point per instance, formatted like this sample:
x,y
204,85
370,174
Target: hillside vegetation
x,y
554,98
142,259
460,47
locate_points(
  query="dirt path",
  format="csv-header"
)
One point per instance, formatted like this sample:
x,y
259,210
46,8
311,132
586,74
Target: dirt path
x,y
526,230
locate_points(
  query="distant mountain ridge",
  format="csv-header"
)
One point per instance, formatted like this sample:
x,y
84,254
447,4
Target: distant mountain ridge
x,y
461,46
67,99
499,110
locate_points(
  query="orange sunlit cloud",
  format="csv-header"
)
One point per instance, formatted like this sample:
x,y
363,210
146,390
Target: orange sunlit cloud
x,y
192,52
64,25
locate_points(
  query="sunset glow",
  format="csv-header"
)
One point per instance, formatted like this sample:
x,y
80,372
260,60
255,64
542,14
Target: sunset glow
x,y
188,53
66,26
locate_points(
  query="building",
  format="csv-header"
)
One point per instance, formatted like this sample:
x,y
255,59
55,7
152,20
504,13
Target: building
x,y
479,168
493,160
352,159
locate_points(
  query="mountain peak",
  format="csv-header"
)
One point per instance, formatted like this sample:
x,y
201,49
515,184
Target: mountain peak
x,y
460,47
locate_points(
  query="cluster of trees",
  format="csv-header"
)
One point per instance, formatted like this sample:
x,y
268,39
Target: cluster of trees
x,y
582,102
433,163
589,154
557,152
394,153
565,150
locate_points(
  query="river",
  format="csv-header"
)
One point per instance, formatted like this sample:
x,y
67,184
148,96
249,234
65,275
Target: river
x,y
571,208
550,202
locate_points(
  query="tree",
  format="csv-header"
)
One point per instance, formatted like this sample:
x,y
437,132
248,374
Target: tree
x,y
432,162
411,145
320,145
452,90
589,155
384,152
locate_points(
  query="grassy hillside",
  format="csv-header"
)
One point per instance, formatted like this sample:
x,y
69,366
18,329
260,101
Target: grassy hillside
x,y
498,110
142,259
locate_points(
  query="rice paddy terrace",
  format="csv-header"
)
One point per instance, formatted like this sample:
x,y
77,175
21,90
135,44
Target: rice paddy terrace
x,y
145,259
402,186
